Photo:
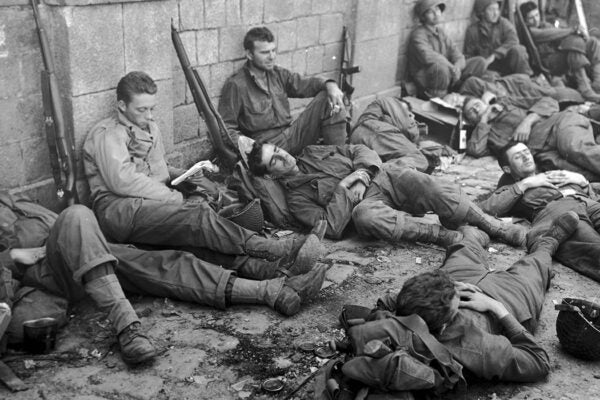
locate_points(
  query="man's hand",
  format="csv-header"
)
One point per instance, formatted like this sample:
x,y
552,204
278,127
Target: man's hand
x,y
456,73
535,181
358,191
469,287
490,60
524,129
336,97
360,175
481,302
562,177
28,256
488,97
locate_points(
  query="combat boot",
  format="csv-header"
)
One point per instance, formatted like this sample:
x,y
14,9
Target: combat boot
x,y
273,249
584,86
108,295
414,231
561,229
284,295
512,234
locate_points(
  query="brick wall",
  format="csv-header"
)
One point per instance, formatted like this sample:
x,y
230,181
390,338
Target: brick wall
x,y
95,42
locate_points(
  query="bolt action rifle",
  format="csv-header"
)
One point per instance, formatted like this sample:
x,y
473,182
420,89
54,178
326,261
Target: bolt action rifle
x,y
60,145
217,131
346,68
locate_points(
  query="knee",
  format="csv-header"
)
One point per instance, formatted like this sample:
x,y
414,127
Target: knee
x,y
518,51
363,217
75,214
476,66
438,77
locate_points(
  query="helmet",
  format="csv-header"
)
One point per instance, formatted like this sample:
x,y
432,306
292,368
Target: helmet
x,y
578,328
249,216
573,43
424,5
481,5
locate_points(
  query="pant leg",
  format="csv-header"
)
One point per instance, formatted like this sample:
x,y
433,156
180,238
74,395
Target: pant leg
x,y
516,61
374,216
418,193
474,66
575,141
581,252
171,273
391,145
313,123
172,224
75,246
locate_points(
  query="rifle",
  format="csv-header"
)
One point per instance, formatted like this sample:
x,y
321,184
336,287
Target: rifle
x,y
346,68
59,145
217,131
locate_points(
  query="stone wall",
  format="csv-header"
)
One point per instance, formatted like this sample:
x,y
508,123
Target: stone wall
x,y
95,42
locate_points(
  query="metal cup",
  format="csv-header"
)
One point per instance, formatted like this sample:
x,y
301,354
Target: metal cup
x,y
39,335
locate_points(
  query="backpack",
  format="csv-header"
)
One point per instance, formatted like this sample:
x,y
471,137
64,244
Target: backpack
x,y
389,357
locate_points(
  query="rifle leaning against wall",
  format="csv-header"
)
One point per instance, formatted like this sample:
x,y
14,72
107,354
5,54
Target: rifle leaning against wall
x,y
346,68
60,146
217,131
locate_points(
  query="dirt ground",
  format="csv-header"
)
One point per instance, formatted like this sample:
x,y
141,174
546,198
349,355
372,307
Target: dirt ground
x,y
210,354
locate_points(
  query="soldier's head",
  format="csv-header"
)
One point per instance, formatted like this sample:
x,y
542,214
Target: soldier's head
x,y
136,98
260,47
266,158
429,12
516,159
430,295
473,109
488,10
530,13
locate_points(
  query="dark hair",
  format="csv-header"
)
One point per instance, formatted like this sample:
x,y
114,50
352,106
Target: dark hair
x,y
527,7
503,160
255,162
259,34
429,295
135,82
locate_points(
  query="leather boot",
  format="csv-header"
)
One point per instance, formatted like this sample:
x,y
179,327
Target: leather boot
x,y
561,229
272,249
512,234
108,295
414,231
284,295
584,86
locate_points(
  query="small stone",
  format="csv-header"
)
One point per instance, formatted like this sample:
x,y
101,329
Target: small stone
x,y
418,260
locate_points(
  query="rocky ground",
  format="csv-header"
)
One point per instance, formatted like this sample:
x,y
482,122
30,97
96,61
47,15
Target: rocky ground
x,y
210,354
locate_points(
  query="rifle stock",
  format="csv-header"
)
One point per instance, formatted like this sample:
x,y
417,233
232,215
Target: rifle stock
x,y
217,130
59,145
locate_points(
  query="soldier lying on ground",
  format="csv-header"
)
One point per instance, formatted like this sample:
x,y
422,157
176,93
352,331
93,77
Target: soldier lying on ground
x,y
255,100
484,317
68,256
340,183
540,197
561,139
127,173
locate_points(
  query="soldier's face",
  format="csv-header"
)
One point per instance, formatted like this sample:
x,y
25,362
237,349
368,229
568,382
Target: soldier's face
x,y
521,161
474,110
433,16
532,19
492,13
140,109
263,55
278,161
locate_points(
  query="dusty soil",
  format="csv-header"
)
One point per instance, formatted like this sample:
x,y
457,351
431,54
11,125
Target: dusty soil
x,y
210,354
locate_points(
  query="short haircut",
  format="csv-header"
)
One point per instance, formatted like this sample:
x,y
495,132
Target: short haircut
x,y
259,34
135,82
255,161
527,7
503,160
429,295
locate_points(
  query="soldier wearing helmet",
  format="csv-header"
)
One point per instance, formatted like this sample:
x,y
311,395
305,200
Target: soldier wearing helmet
x,y
435,63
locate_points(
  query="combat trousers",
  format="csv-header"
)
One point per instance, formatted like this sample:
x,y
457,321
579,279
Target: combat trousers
x,y
435,80
315,122
581,252
191,224
516,61
396,194
521,288
76,245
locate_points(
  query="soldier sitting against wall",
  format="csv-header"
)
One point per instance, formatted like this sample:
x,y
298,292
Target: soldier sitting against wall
x,y
255,100
434,62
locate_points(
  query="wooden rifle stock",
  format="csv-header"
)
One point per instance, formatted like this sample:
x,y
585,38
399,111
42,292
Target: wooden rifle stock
x,y
217,130
59,145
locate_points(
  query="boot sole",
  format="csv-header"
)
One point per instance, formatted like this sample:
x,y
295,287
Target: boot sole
x,y
306,258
